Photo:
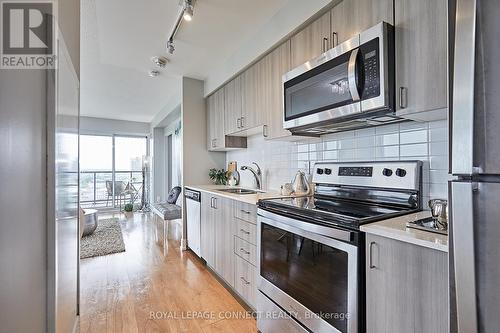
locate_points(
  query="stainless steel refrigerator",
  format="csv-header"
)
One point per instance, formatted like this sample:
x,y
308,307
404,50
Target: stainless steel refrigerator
x,y
475,161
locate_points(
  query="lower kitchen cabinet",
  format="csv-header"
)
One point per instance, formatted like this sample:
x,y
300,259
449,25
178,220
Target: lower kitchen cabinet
x,y
224,260
406,287
245,280
228,238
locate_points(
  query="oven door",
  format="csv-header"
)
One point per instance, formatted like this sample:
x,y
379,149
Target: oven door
x,y
310,271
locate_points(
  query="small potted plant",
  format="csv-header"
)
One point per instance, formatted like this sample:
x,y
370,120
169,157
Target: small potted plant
x,y
129,209
219,177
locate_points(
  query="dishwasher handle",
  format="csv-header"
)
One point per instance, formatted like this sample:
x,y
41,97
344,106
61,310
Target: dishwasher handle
x,y
192,195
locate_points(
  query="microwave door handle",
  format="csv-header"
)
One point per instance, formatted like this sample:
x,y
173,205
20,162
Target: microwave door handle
x,y
351,75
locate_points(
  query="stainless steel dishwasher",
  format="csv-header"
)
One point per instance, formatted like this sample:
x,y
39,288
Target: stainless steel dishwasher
x,y
193,213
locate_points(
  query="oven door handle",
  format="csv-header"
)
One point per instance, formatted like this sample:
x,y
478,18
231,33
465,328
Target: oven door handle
x,y
305,227
351,75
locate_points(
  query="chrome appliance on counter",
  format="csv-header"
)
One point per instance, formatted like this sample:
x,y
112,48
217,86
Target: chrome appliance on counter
x,y
438,222
350,86
475,159
311,251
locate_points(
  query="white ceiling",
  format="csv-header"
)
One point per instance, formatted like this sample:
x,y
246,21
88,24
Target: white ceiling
x,y
118,38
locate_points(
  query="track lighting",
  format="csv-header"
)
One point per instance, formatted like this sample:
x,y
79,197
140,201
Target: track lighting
x,y
188,10
170,46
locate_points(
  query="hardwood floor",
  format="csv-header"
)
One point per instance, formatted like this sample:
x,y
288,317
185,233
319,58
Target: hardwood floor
x,y
155,288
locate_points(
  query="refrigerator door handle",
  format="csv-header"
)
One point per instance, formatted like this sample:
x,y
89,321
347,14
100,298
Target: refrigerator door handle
x,y
462,119
463,253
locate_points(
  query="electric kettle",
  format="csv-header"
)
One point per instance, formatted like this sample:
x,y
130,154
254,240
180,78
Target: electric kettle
x,y
300,184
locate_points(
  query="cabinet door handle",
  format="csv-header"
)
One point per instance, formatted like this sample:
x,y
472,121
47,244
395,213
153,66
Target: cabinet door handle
x,y
238,123
245,212
242,250
325,44
245,232
241,122
265,131
244,280
370,257
212,202
215,203
335,39
403,97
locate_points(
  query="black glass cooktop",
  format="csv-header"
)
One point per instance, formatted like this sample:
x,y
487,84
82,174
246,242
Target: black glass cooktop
x,y
331,211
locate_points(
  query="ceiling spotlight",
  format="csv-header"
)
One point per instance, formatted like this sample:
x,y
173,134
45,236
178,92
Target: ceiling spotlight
x,y
188,10
170,46
154,73
159,61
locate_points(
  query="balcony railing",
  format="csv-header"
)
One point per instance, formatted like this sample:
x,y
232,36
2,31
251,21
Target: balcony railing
x,y
94,193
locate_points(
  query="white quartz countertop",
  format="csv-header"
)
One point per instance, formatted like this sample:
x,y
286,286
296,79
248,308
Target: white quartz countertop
x,y
395,228
247,198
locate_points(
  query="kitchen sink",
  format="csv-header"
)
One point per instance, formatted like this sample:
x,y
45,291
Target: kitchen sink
x,y
239,191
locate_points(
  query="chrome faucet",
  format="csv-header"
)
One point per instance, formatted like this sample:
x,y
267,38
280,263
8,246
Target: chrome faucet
x,y
257,174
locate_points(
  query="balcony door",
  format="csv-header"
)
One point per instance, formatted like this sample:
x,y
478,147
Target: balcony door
x,y
111,170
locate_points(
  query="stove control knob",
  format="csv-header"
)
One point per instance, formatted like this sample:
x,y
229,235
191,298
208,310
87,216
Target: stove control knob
x,y
328,171
400,172
319,171
387,172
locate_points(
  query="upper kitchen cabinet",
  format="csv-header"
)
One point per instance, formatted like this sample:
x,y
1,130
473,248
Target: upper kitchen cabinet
x,y
421,32
216,138
350,17
279,64
311,41
215,114
252,81
233,106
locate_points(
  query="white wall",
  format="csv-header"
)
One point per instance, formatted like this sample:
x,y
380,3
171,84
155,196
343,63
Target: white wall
x,y
23,201
196,159
69,25
263,39
91,125
426,141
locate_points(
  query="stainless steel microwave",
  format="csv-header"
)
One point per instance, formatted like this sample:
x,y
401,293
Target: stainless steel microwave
x,y
349,86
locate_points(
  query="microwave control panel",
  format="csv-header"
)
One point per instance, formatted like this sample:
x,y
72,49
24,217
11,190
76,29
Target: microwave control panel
x,y
370,59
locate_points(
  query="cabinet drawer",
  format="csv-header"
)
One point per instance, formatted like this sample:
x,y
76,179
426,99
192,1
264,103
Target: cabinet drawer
x,y
246,231
245,250
245,280
246,212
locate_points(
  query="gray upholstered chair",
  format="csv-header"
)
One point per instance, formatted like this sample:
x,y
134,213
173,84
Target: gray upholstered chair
x,y
168,210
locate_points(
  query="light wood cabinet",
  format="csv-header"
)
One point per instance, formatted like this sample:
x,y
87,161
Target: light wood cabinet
x,y
311,41
279,64
245,280
217,140
207,221
233,106
232,258
252,93
406,287
215,114
224,226
350,17
421,37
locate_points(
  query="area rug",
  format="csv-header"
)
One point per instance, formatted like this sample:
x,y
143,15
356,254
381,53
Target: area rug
x,y
106,239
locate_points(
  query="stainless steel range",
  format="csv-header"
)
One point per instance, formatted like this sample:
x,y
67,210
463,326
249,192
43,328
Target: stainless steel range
x,y
311,251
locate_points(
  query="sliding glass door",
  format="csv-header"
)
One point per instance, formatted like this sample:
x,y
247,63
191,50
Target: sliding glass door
x,y
111,170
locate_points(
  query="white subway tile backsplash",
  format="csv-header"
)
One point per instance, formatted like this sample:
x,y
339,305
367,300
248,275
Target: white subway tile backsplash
x,y
413,136
425,141
419,149
387,139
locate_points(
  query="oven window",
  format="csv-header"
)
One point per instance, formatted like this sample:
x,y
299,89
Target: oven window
x,y
312,273
322,88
